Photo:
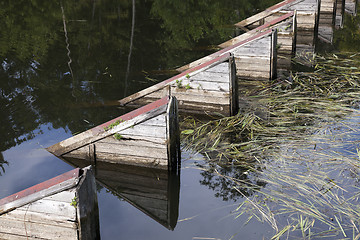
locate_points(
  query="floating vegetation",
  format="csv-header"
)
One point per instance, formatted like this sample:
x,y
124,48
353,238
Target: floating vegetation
x,y
299,137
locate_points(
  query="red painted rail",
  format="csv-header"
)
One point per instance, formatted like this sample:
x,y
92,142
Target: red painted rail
x,y
41,186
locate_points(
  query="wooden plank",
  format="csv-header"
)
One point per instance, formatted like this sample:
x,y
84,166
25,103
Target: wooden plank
x,y
35,230
138,142
37,192
130,151
146,131
149,162
41,218
51,207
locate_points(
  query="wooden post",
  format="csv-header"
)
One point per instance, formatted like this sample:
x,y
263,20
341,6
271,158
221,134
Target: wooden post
x,y
172,126
87,207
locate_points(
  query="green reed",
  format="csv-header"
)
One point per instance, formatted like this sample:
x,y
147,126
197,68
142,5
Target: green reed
x,y
297,134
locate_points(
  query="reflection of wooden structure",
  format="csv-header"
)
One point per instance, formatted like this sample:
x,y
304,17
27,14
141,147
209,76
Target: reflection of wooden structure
x,y
307,13
210,87
155,192
148,136
255,57
64,207
286,38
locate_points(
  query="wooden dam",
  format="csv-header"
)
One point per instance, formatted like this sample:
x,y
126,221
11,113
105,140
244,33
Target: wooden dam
x,y
137,156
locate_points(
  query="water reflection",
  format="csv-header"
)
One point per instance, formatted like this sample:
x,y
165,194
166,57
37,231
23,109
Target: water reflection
x,y
154,192
2,163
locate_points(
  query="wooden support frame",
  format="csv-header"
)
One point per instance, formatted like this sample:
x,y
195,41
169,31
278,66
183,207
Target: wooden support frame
x,y
64,207
148,137
255,57
286,27
307,12
209,87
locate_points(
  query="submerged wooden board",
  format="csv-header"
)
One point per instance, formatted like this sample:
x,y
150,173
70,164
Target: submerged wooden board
x,y
208,87
146,137
155,192
45,211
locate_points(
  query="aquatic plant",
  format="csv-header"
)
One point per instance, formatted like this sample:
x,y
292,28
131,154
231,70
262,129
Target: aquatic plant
x,y
114,124
298,136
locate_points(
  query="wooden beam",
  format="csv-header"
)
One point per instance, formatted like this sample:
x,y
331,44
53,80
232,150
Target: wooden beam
x,y
41,190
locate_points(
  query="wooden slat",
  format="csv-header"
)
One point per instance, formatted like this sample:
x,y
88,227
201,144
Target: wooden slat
x,y
39,195
35,230
131,150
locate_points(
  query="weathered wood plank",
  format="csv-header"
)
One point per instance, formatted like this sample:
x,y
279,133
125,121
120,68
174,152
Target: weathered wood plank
x,y
38,195
146,131
36,230
130,151
24,215
139,142
149,162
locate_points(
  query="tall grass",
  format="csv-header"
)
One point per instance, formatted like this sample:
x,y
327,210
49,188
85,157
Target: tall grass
x,y
300,136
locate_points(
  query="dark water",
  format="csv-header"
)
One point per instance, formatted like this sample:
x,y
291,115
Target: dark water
x,y
63,66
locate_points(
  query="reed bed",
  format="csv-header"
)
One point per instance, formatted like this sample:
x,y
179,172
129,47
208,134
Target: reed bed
x,y
300,137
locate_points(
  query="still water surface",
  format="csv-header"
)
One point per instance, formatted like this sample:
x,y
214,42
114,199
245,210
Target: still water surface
x,y
63,66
